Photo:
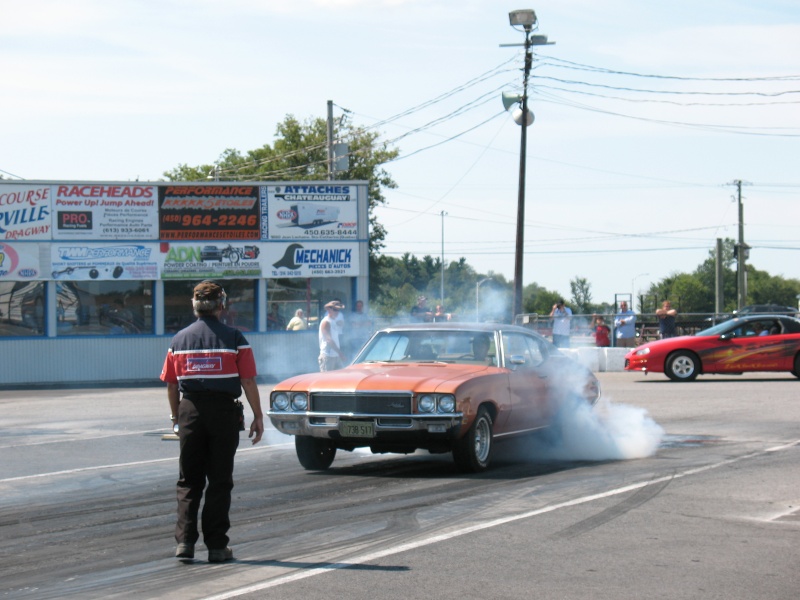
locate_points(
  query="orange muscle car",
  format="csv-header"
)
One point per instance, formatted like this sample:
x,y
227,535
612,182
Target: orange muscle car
x,y
441,387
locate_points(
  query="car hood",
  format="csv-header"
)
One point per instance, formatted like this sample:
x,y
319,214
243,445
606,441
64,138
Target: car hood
x,y
386,377
663,344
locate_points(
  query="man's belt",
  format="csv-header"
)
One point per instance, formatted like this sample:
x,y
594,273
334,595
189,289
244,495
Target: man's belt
x,y
200,396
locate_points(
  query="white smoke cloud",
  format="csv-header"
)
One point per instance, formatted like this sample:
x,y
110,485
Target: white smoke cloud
x,y
606,431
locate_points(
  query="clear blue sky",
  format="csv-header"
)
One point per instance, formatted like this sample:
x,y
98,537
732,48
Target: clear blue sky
x,y
627,174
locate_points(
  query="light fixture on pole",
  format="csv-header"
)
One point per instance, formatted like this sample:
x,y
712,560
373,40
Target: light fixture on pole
x,y
213,174
526,19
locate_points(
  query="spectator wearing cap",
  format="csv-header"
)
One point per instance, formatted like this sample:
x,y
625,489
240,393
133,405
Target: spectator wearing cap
x,y
331,356
207,365
562,316
420,312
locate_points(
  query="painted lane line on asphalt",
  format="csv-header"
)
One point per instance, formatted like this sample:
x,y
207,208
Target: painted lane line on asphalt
x,y
371,556
87,438
81,438
123,465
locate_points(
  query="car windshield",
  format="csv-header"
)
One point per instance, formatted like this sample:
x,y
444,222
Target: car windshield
x,y
462,347
743,328
717,329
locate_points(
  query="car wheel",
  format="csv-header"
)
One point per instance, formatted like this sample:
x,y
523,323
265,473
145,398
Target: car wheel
x,y
474,451
683,366
314,454
796,371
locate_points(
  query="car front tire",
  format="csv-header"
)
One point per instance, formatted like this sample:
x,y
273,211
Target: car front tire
x,y
473,452
796,371
314,454
683,366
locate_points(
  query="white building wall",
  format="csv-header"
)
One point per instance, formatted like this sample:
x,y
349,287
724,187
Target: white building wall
x,y
137,359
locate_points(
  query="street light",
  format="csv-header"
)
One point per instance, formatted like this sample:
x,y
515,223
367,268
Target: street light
x,y
478,298
526,19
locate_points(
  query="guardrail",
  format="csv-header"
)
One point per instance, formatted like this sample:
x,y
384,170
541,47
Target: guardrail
x,y
647,325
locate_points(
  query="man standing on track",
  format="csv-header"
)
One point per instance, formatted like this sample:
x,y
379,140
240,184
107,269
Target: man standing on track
x,y
207,365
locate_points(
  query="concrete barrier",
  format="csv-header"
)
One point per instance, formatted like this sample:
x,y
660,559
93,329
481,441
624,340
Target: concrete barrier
x,y
599,359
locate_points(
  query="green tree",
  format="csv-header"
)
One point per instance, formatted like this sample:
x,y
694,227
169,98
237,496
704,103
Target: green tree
x,y
581,296
686,292
696,292
763,288
536,299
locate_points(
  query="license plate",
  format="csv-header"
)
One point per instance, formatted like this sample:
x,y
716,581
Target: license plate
x,y
361,429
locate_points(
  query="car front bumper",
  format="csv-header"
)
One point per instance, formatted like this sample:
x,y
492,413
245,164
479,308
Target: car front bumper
x,y
331,425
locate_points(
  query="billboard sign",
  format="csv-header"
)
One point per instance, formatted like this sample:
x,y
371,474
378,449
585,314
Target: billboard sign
x,y
19,262
311,211
86,261
105,212
312,259
25,212
209,212
191,260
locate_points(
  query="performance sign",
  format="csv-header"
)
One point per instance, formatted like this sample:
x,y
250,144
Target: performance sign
x,y
105,212
209,212
311,211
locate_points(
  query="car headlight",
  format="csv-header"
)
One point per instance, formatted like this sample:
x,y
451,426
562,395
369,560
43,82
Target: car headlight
x,y
642,352
447,404
426,403
299,401
280,401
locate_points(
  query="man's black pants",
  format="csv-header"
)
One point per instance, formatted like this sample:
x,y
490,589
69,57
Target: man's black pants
x,y
209,436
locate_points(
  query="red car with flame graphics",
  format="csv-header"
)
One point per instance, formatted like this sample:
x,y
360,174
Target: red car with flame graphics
x,y
740,345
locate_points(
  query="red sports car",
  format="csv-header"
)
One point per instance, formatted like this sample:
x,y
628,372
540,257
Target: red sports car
x,y
740,345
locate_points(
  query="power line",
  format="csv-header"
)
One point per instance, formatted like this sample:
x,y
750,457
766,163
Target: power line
x,y
667,92
574,65
11,174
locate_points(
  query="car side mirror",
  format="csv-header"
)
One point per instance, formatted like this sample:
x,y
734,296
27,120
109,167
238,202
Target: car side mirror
x,y
516,359
726,336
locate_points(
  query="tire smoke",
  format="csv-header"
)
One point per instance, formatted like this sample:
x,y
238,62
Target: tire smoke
x,y
606,431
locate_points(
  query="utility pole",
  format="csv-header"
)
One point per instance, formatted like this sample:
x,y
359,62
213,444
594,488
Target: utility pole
x,y
441,293
719,279
525,18
741,252
330,140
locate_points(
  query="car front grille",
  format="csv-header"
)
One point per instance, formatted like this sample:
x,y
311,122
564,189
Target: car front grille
x,y
365,403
